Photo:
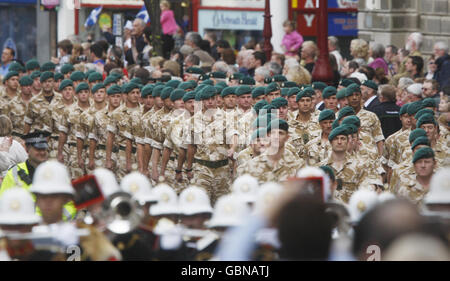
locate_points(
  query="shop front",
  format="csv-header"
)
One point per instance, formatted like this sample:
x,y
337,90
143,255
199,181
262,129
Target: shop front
x,y
237,21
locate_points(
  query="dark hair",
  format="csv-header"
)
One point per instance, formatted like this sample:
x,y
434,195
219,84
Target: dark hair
x,y
147,33
13,53
212,35
143,74
260,56
194,59
250,44
355,80
104,44
205,46
446,90
368,71
109,66
333,63
388,92
418,62
66,46
300,239
380,75
228,56
393,48
97,50
223,44
116,53
353,64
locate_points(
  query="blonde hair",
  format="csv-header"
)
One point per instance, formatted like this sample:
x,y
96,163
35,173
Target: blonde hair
x,y
165,4
173,66
314,50
156,61
299,75
359,48
5,126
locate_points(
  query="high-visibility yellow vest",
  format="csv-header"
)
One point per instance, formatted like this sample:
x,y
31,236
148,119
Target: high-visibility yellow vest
x,y
13,179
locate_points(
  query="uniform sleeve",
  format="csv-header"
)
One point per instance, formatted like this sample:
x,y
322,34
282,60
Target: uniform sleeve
x,y
64,123
30,114
138,129
377,133
112,124
125,127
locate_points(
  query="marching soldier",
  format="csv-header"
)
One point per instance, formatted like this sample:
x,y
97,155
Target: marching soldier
x,y
258,94
319,148
272,91
31,66
67,133
258,143
229,99
244,115
67,70
144,147
11,89
36,87
330,99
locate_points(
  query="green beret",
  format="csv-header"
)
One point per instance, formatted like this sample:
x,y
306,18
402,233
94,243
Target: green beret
x,y
81,87
346,111
189,96
25,81
328,92
429,102
351,129
195,70
263,120
228,91
279,102
422,112
131,86
353,88
293,91
65,83
289,84
340,130
77,76
201,87
335,124
272,87
87,73
403,109
370,84
309,90
414,107
97,87
222,84
219,89
259,133
319,86
136,80
58,76
198,94
260,104
147,90
208,92
352,120
15,66
327,114
177,94
419,132
247,80
32,64
327,169
341,94
243,90
346,82
95,76
114,89
117,75
157,91
35,74
258,91
110,79
284,92
426,119
278,123
302,94
67,68
186,86
48,66
173,83
420,141
218,74
46,75
236,76
268,80
165,93
279,78
423,153
208,82
162,84
267,109
9,75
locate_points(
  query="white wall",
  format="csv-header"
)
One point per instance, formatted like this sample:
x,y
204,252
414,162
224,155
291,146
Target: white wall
x,y
279,10
66,19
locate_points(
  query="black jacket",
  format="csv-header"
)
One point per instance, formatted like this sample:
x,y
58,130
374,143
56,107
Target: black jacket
x,y
374,103
388,113
442,74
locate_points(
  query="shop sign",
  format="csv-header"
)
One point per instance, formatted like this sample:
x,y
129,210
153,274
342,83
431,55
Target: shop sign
x,y
230,20
260,4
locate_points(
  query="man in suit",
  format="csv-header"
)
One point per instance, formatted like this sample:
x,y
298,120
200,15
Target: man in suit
x,y
369,94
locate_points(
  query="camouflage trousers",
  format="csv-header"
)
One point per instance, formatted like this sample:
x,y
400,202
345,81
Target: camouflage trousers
x,y
216,181
53,149
100,160
121,168
170,176
75,170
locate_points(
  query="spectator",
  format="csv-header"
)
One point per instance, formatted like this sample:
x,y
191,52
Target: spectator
x,y
414,69
11,151
8,55
190,61
65,52
169,28
144,57
390,53
334,69
333,48
380,78
402,94
387,110
222,45
292,40
431,68
278,58
261,73
348,68
430,89
137,41
257,59
127,35
194,40
211,37
378,53
309,54
96,57
359,49
414,92
299,75
442,75
228,56
412,46
369,95
274,68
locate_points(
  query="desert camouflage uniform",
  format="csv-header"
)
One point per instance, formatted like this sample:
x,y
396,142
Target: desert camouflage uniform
x,y
120,125
244,157
146,121
99,133
5,99
390,151
398,172
211,136
371,132
264,170
243,123
442,153
16,110
69,123
352,176
317,150
302,132
409,187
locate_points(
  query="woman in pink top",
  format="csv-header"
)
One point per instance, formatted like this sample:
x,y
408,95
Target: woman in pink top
x,y
169,28
292,40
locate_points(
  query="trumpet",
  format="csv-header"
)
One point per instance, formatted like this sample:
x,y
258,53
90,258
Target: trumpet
x,y
121,213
